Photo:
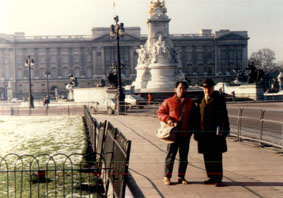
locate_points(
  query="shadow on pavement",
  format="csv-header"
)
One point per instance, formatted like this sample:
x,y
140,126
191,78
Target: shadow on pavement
x,y
154,186
190,182
227,183
133,186
254,183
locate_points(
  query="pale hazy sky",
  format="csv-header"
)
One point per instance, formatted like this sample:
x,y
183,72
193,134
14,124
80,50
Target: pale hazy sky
x,y
263,19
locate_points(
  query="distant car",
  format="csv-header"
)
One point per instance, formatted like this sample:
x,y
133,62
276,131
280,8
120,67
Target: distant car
x,y
14,100
107,105
135,101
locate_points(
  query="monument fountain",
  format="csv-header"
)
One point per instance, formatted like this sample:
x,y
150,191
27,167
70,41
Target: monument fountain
x,y
157,67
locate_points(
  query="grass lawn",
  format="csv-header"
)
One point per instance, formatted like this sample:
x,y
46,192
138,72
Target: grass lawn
x,y
30,144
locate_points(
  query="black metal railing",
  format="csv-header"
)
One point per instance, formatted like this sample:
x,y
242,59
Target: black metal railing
x,y
52,176
262,125
110,143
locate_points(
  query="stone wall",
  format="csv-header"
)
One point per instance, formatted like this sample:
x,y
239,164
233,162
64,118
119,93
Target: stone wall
x,y
96,94
249,91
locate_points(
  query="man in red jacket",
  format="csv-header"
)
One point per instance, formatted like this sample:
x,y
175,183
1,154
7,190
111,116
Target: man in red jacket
x,y
178,110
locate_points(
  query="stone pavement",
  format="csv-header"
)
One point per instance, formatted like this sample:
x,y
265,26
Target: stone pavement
x,y
249,171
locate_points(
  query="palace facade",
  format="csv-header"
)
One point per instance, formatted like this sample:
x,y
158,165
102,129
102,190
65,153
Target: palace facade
x,y
90,58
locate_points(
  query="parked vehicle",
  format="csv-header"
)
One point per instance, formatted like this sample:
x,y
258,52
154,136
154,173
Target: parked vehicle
x,y
135,101
107,105
15,100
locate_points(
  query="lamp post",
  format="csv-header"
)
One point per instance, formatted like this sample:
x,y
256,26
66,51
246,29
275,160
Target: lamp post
x,y
117,30
46,99
47,83
28,63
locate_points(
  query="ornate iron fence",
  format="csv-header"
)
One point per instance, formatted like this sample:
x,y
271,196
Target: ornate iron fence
x,y
59,175
110,143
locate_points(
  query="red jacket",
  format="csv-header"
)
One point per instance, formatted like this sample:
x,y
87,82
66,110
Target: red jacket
x,y
171,108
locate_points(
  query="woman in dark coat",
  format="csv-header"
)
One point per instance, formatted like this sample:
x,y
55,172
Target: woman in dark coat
x,y
214,128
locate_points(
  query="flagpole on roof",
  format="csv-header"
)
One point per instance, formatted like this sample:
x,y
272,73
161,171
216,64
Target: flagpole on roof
x,y
114,8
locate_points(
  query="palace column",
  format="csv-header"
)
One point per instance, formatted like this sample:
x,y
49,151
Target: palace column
x,y
99,71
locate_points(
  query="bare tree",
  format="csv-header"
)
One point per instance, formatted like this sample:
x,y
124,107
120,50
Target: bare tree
x,y
280,65
264,59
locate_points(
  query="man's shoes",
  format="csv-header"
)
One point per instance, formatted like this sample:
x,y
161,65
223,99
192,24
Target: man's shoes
x,y
210,181
220,184
166,181
182,181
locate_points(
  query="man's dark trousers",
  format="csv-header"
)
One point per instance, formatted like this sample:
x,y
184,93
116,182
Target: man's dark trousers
x,y
213,165
182,144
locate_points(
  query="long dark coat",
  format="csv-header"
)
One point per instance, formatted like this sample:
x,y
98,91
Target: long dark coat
x,y
213,115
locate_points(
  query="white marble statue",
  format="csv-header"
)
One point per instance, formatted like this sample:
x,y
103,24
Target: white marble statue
x,y
153,57
159,45
157,59
280,79
141,55
161,51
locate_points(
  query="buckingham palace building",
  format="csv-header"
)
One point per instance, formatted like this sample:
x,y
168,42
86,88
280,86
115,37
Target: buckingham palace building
x,y
91,58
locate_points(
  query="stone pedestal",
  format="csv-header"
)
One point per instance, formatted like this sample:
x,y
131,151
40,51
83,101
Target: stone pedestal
x,y
71,95
141,81
162,77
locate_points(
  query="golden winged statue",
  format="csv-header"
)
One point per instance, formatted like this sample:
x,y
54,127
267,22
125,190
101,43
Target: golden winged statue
x,y
154,5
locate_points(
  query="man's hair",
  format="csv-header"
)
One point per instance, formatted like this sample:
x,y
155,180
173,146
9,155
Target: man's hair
x,y
183,83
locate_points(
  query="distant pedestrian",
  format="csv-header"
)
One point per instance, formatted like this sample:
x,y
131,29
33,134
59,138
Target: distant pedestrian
x,y
214,128
178,110
221,92
149,98
233,95
46,101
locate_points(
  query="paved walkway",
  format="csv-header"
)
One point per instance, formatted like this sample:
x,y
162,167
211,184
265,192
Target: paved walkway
x,y
250,171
